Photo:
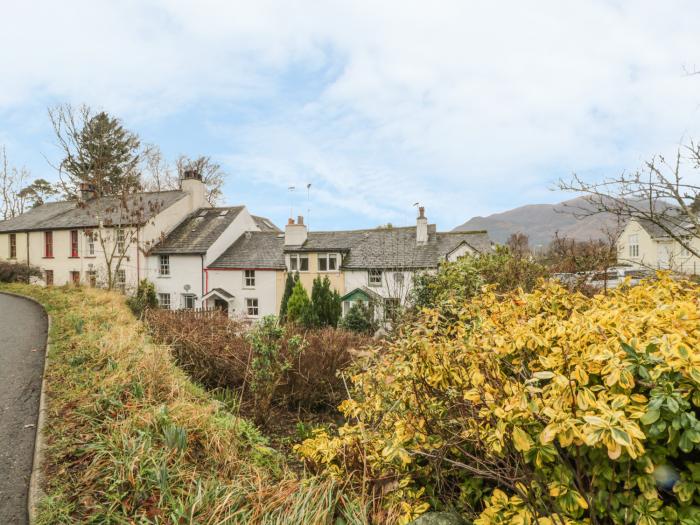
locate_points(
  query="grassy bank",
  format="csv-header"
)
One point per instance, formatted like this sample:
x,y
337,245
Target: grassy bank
x,y
131,440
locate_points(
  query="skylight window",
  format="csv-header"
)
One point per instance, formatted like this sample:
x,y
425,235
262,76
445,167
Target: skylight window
x,y
223,213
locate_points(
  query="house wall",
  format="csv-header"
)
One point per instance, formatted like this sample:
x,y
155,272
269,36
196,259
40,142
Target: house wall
x,y
336,277
185,271
648,256
265,289
458,252
390,288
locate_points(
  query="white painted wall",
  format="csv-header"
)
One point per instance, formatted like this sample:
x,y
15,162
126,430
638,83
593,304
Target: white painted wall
x,y
390,288
265,290
185,271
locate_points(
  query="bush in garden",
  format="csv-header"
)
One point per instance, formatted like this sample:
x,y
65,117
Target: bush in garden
x,y
11,272
325,303
299,307
544,407
464,278
360,319
145,298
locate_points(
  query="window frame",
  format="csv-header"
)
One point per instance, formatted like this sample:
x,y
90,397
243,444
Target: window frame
x,y
295,262
248,307
74,249
90,236
376,273
249,278
120,280
326,259
164,263
48,277
120,240
48,245
185,298
13,246
165,305
74,277
633,245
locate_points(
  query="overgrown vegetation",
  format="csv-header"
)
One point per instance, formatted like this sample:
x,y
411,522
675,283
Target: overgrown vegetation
x,y
144,299
533,407
11,272
359,318
132,440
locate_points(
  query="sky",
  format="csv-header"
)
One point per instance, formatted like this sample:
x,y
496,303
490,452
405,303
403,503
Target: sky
x,y
468,108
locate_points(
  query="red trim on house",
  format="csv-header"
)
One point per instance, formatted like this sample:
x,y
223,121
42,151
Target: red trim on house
x,y
206,276
248,268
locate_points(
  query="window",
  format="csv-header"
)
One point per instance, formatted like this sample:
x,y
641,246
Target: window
x,y
164,301
75,278
299,263
391,309
48,277
164,265
327,263
74,243
91,278
121,241
375,277
13,246
48,244
633,242
188,301
90,236
249,278
251,305
120,282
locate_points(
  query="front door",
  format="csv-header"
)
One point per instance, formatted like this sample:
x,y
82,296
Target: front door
x,y
220,304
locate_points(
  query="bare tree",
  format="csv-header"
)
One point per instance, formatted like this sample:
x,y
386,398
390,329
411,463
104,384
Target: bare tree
x,y
157,174
519,244
12,182
212,174
663,193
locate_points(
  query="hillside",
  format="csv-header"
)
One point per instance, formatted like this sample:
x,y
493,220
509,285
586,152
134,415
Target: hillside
x,y
541,221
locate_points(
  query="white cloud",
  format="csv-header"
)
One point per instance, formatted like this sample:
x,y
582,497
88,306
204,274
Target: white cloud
x,y
466,106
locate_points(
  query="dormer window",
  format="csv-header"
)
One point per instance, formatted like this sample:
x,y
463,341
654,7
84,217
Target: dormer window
x,y
327,262
633,242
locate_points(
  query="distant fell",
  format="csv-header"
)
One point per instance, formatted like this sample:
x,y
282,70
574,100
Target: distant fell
x,y
541,221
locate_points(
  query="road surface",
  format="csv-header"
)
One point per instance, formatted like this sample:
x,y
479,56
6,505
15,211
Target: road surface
x,y
23,326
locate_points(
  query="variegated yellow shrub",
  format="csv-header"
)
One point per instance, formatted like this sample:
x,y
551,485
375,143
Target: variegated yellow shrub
x,y
546,406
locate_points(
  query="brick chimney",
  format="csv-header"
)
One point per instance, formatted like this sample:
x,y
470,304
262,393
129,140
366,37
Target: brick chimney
x,y
421,227
295,233
192,184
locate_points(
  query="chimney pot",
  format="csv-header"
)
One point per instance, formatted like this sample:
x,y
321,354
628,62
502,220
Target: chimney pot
x,y
421,212
191,174
300,219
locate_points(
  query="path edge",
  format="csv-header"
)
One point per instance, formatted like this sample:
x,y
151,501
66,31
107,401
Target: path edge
x,y
36,478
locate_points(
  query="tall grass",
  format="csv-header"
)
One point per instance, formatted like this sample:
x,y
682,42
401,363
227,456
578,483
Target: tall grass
x,y
132,440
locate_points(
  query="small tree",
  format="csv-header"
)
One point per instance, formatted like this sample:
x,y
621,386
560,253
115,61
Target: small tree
x,y
38,192
144,299
519,244
299,308
12,180
360,319
325,302
288,288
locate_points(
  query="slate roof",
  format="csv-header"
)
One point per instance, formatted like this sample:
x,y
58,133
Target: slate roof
x,y
198,232
263,250
65,215
220,292
654,230
392,247
362,249
265,224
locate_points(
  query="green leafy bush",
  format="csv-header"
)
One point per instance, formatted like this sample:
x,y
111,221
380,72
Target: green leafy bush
x,y
145,298
360,319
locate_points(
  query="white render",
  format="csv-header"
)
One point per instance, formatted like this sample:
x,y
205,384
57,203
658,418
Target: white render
x,y
396,284
265,290
187,270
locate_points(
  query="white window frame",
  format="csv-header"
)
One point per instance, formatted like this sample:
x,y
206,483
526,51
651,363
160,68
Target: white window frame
x,y
164,301
90,243
633,245
248,278
295,262
164,265
249,306
121,241
326,258
374,277
120,280
185,298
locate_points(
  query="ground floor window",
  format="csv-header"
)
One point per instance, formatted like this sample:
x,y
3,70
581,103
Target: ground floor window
x,y
120,281
251,305
391,309
188,301
164,300
48,277
75,277
91,277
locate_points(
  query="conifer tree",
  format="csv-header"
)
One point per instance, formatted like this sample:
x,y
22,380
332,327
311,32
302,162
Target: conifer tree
x,y
299,308
288,288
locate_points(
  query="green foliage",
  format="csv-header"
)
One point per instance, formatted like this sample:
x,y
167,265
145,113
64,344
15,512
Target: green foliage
x,y
273,353
325,303
464,278
288,289
145,298
11,272
38,192
299,308
545,407
360,318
